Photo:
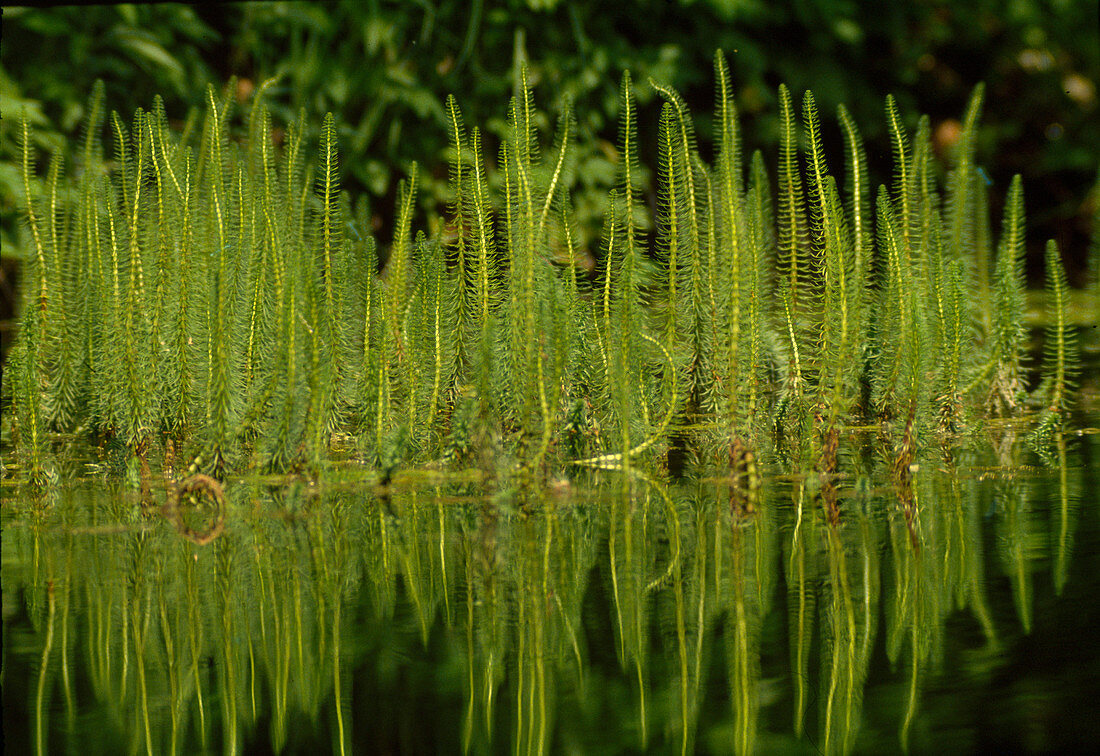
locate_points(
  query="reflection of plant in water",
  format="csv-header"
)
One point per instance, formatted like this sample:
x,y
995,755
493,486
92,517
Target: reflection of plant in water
x,y
849,621
1017,541
914,609
745,550
628,566
198,493
1069,494
312,590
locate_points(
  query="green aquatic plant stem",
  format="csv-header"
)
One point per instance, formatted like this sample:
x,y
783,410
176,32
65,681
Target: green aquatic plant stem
x,y
328,184
222,296
1061,359
791,221
1000,373
859,212
830,242
35,330
900,141
685,244
134,323
218,353
157,336
179,384
821,222
900,360
621,295
39,252
671,219
730,237
64,386
615,335
1061,364
463,258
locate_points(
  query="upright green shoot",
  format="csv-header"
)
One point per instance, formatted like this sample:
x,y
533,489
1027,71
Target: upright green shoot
x,y
1061,359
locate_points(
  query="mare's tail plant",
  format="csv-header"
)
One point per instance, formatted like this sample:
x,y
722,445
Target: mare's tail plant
x,y
28,359
1061,361
219,297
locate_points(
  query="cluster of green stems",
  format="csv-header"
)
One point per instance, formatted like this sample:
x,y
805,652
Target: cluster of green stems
x,y
216,299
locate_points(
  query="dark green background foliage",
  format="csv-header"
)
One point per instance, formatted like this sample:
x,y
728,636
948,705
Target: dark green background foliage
x,y
384,69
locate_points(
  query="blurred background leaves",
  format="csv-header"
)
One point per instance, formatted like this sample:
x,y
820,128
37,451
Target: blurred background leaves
x,y
384,67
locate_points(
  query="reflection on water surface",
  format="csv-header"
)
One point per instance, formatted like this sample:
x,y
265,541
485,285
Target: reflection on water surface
x,y
954,612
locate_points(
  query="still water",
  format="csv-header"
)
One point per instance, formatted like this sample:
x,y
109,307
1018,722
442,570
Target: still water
x,y
610,614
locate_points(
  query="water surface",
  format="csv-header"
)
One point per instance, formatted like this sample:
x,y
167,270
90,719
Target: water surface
x,y
609,614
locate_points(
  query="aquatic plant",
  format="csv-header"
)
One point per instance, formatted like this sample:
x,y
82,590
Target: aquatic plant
x,y
207,294
1061,361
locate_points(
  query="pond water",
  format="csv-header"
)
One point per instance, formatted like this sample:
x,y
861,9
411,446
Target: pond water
x,y
609,614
